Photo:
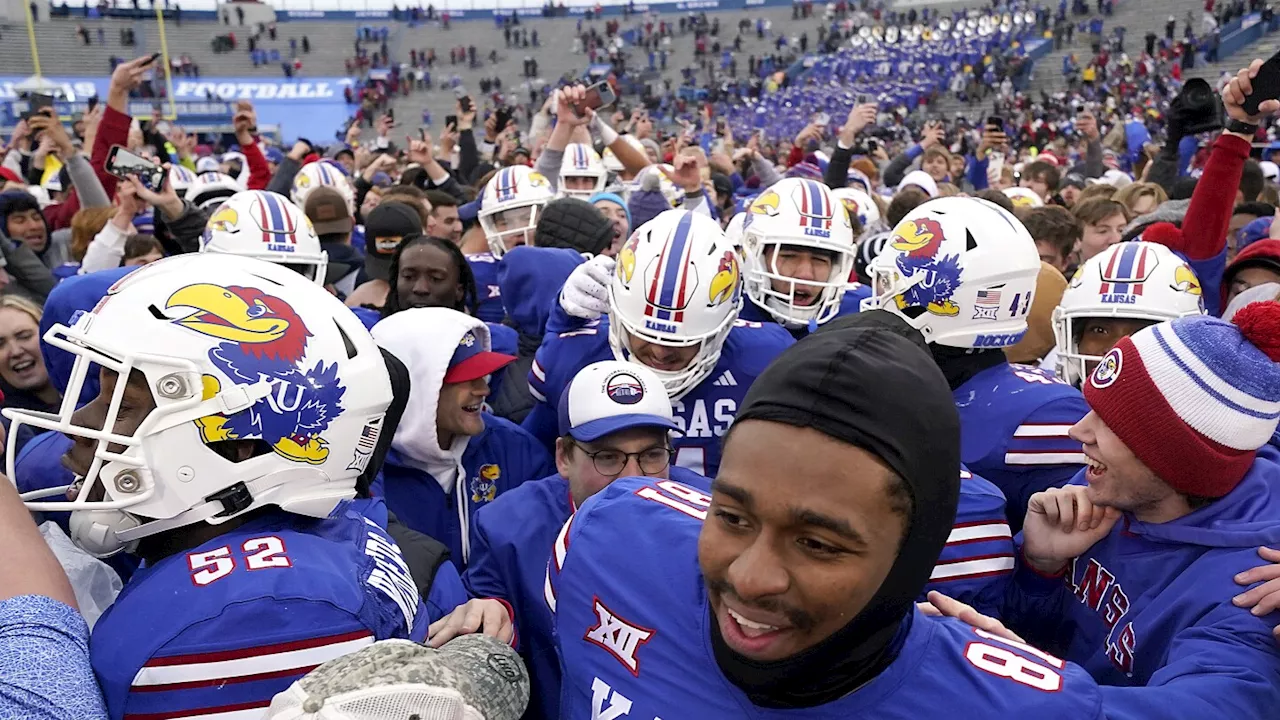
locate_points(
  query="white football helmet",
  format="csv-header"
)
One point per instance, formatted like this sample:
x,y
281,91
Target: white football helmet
x,y
1023,197
231,349
211,189
858,204
960,270
611,161
734,231
180,179
322,173
510,206
235,161
266,226
800,214
1132,280
673,194
676,284
581,161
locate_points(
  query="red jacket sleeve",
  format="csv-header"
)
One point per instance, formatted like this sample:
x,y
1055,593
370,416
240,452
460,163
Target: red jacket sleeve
x,y
259,171
112,130
796,155
1204,228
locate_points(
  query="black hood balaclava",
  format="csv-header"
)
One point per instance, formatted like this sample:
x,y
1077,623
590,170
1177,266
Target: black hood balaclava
x,y
867,380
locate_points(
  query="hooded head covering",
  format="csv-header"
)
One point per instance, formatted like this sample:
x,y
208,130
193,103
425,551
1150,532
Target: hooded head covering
x,y
848,381
530,279
424,339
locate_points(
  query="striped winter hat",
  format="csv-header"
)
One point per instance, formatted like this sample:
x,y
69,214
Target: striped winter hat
x,y
1194,398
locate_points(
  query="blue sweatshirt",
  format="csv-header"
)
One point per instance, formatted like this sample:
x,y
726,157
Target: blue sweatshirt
x,y
1148,612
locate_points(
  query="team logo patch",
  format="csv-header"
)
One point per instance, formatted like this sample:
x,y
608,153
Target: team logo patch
x,y
536,179
1126,273
484,486
920,242
264,339
1108,370
624,388
724,284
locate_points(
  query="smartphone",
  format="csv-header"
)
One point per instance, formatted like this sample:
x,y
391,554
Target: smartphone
x,y
996,121
154,57
864,99
93,103
122,164
822,119
39,102
391,113
503,117
1266,85
451,120
599,95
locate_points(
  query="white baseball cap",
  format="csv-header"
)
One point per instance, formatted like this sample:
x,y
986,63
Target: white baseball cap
x,y
922,180
612,395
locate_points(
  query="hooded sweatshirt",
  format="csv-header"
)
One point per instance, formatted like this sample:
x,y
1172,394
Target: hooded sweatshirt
x,y
1148,612
435,490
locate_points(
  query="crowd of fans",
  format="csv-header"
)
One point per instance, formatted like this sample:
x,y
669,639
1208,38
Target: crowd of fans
x,y
564,411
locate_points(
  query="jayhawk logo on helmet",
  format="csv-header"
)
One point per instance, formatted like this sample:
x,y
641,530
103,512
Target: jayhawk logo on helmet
x,y
724,284
537,179
766,204
1185,280
627,259
225,219
265,339
920,241
302,180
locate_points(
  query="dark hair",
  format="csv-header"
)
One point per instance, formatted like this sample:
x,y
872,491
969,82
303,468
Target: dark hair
x,y
407,195
465,278
1259,209
992,195
905,201
1054,225
1047,173
140,245
1251,180
439,198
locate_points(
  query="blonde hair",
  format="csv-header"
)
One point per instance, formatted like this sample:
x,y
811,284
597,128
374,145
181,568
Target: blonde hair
x,y
1132,193
21,304
85,226
947,190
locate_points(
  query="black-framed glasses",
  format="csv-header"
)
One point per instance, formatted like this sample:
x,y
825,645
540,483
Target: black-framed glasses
x,y
610,463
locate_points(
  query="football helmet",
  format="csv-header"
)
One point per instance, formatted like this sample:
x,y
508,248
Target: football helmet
x,y
802,214
510,205
960,270
858,204
211,189
231,349
1132,280
318,173
676,284
266,226
180,179
581,161
236,165
669,190
611,161
1023,197
733,232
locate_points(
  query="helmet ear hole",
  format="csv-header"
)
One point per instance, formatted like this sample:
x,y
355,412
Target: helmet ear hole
x,y
914,311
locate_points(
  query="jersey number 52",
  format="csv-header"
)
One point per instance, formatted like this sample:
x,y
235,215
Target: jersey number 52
x,y
261,553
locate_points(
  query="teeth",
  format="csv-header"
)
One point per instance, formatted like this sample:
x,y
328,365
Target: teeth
x,y
749,628
19,367
1096,466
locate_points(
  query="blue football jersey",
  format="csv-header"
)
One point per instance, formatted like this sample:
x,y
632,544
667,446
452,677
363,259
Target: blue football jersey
x,y
221,628
484,266
978,559
631,625
1013,431
704,414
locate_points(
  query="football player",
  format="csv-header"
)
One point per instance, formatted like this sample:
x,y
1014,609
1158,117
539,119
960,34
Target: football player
x,y
963,272
798,249
266,226
833,500
322,173
1115,294
238,406
582,174
670,302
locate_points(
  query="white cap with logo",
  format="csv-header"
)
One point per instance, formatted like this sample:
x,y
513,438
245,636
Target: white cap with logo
x,y
613,395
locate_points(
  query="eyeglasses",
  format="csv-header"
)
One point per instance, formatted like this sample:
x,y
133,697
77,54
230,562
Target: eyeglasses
x,y
610,463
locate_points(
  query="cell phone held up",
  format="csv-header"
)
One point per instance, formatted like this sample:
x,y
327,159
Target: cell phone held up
x,y
597,96
1266,85
123,164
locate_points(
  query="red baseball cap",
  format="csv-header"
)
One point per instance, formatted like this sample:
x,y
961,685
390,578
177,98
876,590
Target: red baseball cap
x,y
471,360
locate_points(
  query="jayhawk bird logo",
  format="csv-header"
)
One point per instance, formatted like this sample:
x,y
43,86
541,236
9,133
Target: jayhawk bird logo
x,y
484,487
265,340
920,240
